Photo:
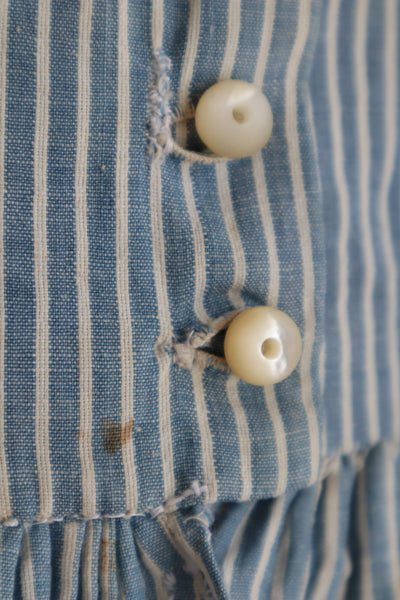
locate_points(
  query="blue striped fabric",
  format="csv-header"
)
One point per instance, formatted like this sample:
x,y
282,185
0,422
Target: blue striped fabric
x,y
133,463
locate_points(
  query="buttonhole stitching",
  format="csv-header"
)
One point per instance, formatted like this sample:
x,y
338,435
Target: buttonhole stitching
x,y
193,349
162,118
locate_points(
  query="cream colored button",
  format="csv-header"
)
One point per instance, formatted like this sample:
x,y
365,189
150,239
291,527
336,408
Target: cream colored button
x,y
234,119
262,345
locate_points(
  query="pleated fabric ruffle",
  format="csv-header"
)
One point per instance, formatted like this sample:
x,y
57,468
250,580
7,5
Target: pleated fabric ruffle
x,y
336,539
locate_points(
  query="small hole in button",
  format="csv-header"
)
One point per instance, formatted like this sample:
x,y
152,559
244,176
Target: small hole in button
x,y
240,114
271,348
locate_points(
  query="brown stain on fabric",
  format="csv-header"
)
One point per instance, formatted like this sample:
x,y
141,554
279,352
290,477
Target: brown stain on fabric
x,y
116,435
104,552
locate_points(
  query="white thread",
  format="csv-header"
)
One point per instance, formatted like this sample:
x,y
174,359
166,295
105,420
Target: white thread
x,y
198,157
11,523
42,418
165,333
88,477
186,353
160,119
122,255
194,490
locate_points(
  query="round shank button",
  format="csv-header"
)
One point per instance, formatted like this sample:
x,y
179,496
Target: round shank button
x,y
262,345
234,119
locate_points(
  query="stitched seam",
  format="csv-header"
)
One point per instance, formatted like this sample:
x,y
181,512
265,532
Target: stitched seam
x,y
196,489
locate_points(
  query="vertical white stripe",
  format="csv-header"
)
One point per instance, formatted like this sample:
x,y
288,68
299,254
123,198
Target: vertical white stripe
x,y
391,125
160,281
391,518
265,42
275,520
232,39
268,227
87,562
40,258
183,94
292,137
322,354
164,319
156,574
221,169
187,552
189,58
198,242
257,161
280,439
199,252
306,578
347,570
234,294
326,570
243,435
272,300
207,454
364,147
190,51
335,108
363,533
105,560
234,548
27,576
235,298
122,255
68,560
322,359
157,23
82,262
278,582
273,259
5,502
232,231
200,261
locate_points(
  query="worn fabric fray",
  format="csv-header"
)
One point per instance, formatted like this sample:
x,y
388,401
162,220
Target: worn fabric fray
x,y
193,349
160,114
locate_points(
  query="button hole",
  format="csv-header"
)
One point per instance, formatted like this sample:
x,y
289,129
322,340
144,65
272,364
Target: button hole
x,y
215,345
271,348
240,114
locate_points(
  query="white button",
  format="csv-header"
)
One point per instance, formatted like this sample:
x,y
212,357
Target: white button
x,y
262,345
234,119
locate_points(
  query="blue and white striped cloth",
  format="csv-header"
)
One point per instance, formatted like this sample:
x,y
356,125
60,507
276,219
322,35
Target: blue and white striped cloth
x,y
133,464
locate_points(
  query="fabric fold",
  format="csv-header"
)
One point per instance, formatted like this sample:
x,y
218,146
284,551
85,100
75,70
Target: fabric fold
x,y
318,543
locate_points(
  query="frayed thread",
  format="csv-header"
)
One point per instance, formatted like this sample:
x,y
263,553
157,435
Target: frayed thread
x,y
160,117
189,352
195,490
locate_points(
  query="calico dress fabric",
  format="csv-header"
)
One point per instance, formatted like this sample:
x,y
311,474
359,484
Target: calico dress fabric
x,y
133,463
